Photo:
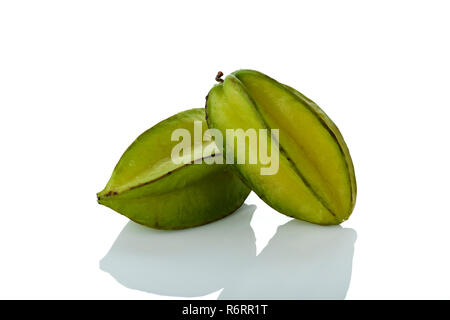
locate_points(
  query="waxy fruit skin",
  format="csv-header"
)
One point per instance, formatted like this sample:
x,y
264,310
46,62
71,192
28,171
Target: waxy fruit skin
x,y
149,188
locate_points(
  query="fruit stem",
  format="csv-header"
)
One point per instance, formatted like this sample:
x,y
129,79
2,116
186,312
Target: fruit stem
x,y
219,76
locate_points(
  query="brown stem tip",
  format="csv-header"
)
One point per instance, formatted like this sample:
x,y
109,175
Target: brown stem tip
x,y
219,76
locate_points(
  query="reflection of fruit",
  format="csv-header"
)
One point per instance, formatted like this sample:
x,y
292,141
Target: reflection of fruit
x,y
149,188
190,263
315,181
301,261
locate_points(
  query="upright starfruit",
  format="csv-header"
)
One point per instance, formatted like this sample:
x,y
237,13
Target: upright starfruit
x,y
315,180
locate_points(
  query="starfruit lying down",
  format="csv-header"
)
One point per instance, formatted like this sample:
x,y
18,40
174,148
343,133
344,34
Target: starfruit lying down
x,y
150,189
315,180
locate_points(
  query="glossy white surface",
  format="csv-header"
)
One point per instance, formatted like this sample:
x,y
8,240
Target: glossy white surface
x,y
301,260
80,80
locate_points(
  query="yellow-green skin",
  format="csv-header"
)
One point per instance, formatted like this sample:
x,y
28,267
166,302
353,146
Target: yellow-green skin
x,y
148,188
316,180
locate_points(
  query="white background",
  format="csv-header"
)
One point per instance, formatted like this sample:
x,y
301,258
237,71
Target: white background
x,y
79,80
